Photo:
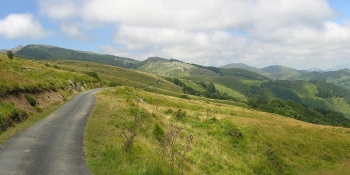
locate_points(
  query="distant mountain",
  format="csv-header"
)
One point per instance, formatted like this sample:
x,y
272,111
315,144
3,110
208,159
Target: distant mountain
x,y
4,51
273,72
243,73
340,78
47,52
339,67
281,72
16,49
174,68
326,76
315,70
280,69
243,66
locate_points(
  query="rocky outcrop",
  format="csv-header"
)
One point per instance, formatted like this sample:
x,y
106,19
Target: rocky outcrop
x,y
76,87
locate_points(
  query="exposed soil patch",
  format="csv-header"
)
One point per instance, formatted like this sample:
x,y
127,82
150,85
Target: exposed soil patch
x,y
44,99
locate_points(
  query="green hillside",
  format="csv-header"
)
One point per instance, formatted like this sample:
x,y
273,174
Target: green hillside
x,y
340,78
169,135
243,73
243,66
46,52
174,68
118,76
231,121
28,88
281,72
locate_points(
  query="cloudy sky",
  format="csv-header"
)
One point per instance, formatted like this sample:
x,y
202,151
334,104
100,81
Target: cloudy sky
x,y
302,34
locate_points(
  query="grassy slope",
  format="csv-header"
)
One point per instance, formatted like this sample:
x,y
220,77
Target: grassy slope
x,y
21,76
231,85
237,95
270,144
122,76
46,52
167,68
29,75
307,92
172,68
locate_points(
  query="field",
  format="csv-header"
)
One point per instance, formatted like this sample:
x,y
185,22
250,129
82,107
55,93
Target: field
x,y
132,131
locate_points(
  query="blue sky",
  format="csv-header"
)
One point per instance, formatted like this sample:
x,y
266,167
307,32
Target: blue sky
x,y
302,34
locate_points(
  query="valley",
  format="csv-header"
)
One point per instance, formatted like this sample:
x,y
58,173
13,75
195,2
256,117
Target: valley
x,y
163,116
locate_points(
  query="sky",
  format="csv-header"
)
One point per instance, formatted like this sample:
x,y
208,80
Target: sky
x,y
302,34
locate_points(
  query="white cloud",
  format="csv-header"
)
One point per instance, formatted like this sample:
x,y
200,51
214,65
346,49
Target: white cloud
x,y
63,9
73,31
208,14
18,26
196,47
295,33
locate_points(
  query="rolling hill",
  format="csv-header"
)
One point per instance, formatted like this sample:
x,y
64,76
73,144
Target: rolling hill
x,y
174,68
273,72
243,66
46,52
144,124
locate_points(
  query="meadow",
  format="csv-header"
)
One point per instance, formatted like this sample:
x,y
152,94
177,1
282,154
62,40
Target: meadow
x,y
132,131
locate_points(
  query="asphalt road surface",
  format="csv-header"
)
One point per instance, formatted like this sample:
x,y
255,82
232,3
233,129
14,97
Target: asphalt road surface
x,y
54,145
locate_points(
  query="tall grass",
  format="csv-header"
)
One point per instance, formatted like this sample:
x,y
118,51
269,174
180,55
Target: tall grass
x,y
20,75
227,139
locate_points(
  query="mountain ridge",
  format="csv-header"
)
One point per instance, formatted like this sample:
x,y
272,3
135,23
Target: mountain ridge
x,y
49,52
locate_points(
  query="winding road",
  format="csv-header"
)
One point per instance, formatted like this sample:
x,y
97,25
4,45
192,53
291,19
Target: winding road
x,y
54,145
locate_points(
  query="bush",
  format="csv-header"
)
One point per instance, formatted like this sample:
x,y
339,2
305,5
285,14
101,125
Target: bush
x,y
38,109
158,133
169,111
9,115
180,115
185,97
114,84
30,100
93,75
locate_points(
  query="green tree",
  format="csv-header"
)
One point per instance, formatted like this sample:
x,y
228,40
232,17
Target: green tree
x,y
10,55
211,88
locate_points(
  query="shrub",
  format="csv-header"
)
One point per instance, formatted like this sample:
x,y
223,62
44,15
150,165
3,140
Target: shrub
x,y
9,115
158,133
30,100
93,75
38,109
169,111
114,84
174,150
19,116
16,90
185,97
180,115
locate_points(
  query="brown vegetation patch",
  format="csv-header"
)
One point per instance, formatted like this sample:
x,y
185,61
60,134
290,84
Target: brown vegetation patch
x,y
45,100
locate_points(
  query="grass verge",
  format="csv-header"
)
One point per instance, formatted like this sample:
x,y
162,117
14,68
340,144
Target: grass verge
x,y
11,131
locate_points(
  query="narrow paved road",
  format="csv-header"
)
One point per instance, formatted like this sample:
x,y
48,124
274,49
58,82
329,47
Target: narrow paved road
x,y
54,145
